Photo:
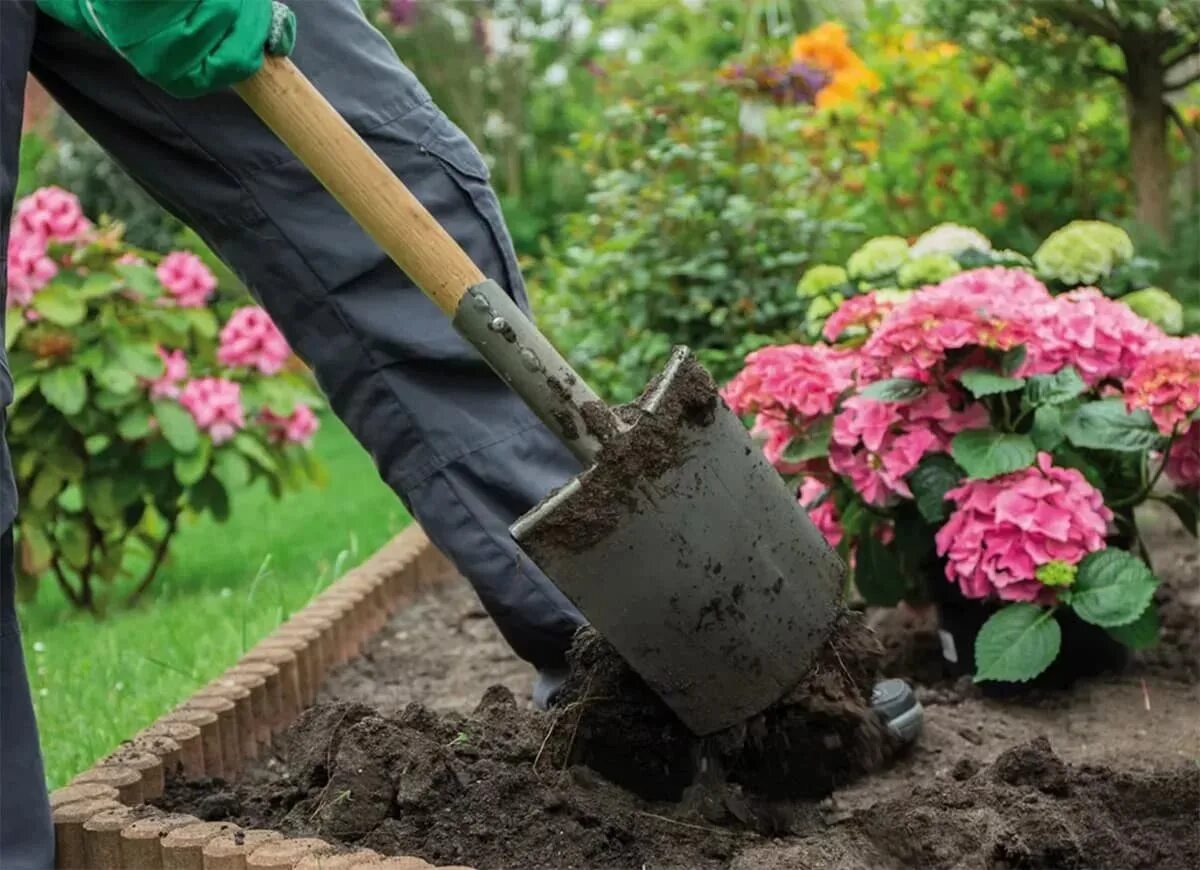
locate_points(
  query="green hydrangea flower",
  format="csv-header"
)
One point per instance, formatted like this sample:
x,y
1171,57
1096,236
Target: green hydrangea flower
x,y
929,269
820,278
952,239
818,311
1056,573
1083,252
893,295
877,258
1158,306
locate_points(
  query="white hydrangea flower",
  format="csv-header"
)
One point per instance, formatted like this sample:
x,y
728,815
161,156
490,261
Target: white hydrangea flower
x,y
950,239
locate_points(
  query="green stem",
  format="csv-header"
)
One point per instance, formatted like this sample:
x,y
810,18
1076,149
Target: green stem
x,y
1147,485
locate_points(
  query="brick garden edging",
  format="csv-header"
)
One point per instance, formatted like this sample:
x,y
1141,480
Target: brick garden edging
x,y
231,721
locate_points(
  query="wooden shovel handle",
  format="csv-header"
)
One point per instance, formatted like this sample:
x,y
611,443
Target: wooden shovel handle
x,y
314,131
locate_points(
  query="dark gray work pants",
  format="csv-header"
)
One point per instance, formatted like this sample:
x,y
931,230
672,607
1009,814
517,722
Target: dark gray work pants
x,y
461,451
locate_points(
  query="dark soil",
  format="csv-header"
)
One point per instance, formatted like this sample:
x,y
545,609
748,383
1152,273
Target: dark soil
x,y
1102,776
644,452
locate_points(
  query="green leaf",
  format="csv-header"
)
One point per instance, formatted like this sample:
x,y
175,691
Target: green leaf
x,y
140,279
141,360
231,468
65,388
95,444
191,467
100,496
253,450
893,390
1142,633
36,550
1012,359
1056,389
116,379
159,454
1112,588
97,285
1107,425
985,453
203,321
14,322
134,425
60,305
209,495
177,425
45,487
1186,506
1016,644
812,445
877,573
71,499
1047,429
982,383
936,475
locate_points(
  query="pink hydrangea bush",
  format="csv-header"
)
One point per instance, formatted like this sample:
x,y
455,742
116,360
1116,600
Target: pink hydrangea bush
x,y
984,435
137,398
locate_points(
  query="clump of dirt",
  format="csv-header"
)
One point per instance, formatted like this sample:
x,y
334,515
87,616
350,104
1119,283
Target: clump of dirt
x,y
1027,809
646,451
610,778
821,735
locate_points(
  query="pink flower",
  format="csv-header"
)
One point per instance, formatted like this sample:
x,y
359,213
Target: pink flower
x,y
251,339
877,444
1183,459
52,214
166,385
795,381
186,278
1102,338
216,406
299,427
866,310
823,515
130,259
1166,382
1005,528
984,308
29,269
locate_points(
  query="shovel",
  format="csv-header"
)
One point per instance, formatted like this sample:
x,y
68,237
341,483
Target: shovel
x,y
679,543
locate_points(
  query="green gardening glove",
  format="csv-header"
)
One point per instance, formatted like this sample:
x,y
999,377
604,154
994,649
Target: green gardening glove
x,y
187,47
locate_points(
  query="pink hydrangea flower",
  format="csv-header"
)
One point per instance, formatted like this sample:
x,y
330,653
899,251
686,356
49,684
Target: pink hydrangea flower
x,y
1102,338
216,406
52,214
29,269
986,308
866,310
877,444
1004,529
251,339
175,371
796,381
1183,459
299,427
186,278
823,515
1166,382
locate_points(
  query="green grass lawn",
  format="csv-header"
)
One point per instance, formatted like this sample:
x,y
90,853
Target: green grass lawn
x,y
224,588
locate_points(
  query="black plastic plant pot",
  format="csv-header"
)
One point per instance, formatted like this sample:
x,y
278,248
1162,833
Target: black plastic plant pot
x,y
1087,650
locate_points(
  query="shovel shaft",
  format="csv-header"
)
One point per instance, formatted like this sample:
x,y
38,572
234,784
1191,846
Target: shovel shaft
x,y
314,131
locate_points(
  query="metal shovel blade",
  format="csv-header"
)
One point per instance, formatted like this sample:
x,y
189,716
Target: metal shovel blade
x,y
704,573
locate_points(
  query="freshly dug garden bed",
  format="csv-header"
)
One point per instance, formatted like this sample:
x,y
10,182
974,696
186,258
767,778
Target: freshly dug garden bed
x,y
412,750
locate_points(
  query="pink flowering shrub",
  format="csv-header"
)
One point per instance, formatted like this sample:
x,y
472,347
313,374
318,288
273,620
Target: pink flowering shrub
x,y
984,438
134,403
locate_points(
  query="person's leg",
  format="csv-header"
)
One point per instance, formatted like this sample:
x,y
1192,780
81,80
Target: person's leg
x,y
26,832
454,442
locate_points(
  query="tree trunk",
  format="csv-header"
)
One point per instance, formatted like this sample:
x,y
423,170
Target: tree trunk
x,y
1147,111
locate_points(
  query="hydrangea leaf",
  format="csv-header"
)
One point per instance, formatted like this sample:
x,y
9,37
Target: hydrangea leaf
x,y
877,573
1112,588
893,390
982,382
1047,429
1056,389
1142,633
1016,644
65,388
936,475
986,453
1108,425
177,425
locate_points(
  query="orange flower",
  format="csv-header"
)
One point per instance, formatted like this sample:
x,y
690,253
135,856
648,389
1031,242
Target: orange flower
x,y
826,47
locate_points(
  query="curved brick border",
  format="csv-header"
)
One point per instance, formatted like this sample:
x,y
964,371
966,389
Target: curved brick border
x,y
100,822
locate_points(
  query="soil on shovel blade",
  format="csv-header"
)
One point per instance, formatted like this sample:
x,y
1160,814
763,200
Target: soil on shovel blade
x,y
427,745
